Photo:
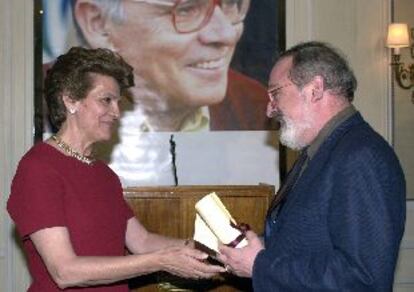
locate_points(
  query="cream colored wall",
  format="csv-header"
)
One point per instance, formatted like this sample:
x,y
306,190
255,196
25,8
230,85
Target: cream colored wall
x,y
404,276
357,27
403,107
404,146
16,114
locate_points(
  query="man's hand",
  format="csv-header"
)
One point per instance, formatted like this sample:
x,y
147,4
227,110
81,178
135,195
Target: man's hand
x,y
239,261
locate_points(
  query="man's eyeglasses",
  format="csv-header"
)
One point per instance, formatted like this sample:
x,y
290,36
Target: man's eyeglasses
x,y
192,15
274,92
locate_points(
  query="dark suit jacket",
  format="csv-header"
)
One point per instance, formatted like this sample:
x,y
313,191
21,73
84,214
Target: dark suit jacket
x,y
342,224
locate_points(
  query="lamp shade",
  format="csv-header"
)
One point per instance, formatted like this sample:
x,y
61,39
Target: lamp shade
x,y
398,36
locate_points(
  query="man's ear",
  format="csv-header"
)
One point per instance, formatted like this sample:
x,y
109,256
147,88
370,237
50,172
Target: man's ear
x,y
92,24
317,85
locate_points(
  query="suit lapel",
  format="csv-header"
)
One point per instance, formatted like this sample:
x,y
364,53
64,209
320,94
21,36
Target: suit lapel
x,y
317,164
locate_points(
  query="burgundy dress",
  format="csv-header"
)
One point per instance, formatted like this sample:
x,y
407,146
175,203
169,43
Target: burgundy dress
x,y
51,189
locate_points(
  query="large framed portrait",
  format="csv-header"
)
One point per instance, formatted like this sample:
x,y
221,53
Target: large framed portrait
x,y
198,106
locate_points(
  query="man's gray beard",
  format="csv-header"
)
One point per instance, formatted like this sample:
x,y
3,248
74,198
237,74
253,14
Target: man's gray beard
x,y
290,133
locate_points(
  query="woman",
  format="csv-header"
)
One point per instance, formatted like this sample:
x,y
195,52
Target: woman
x,y
68,207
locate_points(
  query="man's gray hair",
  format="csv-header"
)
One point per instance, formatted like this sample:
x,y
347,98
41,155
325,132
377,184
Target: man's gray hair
x,y
311,59
111,8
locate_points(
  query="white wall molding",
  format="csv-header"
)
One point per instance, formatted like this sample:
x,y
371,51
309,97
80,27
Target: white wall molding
x,y
408,239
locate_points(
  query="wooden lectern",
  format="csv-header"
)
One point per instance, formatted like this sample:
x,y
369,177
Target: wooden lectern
x,y
170,211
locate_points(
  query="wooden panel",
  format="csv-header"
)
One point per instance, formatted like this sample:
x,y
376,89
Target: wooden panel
x,y
145,208
170,211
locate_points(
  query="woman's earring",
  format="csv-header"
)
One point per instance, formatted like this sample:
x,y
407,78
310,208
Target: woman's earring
x,y
72,110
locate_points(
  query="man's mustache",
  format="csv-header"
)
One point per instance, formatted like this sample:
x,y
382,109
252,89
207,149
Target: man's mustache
x,y
271,110
275,114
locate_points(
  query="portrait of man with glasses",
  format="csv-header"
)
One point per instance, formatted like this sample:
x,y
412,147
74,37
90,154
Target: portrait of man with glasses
x,y
181,52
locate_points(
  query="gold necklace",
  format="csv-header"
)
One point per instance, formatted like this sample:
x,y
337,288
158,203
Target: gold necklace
x,y
73,153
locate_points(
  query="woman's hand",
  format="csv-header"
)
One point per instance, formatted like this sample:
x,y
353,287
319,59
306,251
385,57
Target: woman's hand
x,y
187,262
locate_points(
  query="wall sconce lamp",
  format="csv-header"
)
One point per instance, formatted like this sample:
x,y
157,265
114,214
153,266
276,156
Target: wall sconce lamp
x,y
398,38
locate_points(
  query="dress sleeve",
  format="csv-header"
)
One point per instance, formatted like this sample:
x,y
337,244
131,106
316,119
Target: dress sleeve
x,y
124,207
127,210
37,197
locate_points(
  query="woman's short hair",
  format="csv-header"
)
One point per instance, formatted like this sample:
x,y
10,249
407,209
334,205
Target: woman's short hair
x,y
71,75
